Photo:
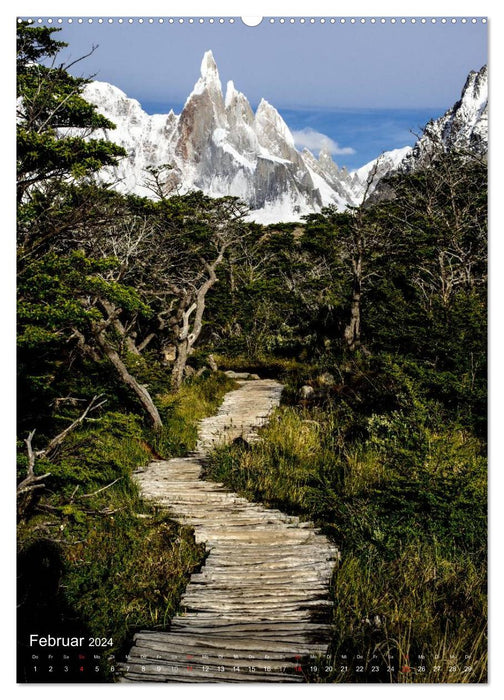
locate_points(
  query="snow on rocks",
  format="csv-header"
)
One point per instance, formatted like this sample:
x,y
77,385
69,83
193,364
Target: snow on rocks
x,y
218,145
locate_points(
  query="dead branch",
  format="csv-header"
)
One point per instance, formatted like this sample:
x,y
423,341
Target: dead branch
x,y
31,454
104,511
67,66
92,406
32,482
73,493
104,488
65,399
141,346
25,486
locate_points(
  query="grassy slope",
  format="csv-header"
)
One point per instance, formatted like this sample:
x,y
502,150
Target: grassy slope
x,y
403,494
122,565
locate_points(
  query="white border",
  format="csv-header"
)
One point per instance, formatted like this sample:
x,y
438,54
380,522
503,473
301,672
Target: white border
x,y
275,8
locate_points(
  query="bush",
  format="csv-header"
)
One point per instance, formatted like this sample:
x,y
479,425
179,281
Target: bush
x,y
100,452
404,497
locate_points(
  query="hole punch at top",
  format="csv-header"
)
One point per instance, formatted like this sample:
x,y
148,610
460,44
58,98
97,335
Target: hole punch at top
x,y
252,21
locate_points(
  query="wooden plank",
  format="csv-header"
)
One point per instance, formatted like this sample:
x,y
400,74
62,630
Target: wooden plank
x,y
250,585
252,627
256,593
206,677
264,585
176,654
205,644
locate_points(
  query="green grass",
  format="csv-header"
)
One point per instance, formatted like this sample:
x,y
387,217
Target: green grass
x,y
403,495
181,411
116,563
136,568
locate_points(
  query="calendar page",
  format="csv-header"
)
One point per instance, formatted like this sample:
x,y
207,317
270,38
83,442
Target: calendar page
x,y
252,296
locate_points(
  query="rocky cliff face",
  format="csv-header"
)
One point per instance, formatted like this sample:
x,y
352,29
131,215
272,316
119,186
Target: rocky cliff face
x,y
217,144
368,177
464,127
220,146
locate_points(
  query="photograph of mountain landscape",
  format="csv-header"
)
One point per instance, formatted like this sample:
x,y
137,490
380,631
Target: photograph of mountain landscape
x,y
252,350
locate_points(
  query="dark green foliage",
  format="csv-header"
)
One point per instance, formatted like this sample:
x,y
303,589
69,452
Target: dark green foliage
x,y
432,289
402,490
281,297
423,286
110,449
35,43
388,456
50,100
49,291
44,156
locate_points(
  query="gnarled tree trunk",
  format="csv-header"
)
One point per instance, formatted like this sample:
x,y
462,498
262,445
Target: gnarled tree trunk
x,y
179,365
128,379
352,330
187,335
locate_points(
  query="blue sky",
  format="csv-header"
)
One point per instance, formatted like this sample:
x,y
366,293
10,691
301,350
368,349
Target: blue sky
x,y
368,132
363,85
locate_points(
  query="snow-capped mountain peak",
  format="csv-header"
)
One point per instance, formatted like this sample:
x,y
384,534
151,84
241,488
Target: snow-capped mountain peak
x,y
209,79
221,147
474,96
271,125
231,94
383,165
464,127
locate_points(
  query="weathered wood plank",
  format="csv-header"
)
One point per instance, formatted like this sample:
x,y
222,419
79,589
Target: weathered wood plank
x,y
263,591
222,626
198,675
206,644
227,654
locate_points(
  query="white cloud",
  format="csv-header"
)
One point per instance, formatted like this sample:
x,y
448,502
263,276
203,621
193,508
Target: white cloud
x,y
314,140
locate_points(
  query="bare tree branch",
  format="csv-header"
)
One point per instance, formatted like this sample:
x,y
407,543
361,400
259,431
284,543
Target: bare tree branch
x,y
31,481
81,58
104,488
92,406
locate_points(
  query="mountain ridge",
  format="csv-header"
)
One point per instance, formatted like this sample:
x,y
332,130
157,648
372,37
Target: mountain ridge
x,y
219,145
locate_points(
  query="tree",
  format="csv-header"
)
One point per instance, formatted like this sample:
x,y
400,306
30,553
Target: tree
x,y
50,110
364,242
428,302
168,251
211,228
447,202
358,246
63,293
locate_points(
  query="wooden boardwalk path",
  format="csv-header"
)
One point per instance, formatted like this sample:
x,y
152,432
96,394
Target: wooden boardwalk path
x,y
258,610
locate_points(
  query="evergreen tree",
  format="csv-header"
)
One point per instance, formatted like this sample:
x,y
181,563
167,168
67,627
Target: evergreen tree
x,y
61,289
53,117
